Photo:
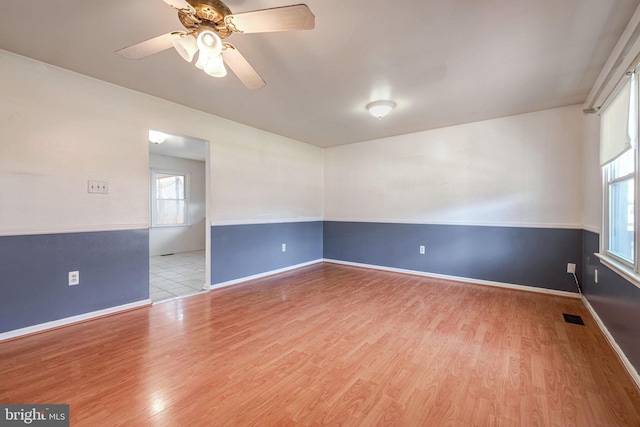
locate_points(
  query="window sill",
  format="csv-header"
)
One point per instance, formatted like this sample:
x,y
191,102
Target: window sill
x,y
171,226
621,269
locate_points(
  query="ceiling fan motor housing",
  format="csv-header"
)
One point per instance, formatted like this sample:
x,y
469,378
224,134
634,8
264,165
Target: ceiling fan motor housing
x,y
208,13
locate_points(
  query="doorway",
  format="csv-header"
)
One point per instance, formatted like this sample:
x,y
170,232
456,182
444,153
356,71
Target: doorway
x,y
179,209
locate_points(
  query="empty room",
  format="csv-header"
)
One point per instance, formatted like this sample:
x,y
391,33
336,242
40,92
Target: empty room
x,y
360,213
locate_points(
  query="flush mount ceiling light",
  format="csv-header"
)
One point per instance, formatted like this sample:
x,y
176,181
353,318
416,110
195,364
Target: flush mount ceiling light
x,y
379,109
156,137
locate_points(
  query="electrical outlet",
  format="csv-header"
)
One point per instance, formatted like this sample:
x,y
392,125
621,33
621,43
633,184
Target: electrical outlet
x,y
284,247
74,278
571,268
422,249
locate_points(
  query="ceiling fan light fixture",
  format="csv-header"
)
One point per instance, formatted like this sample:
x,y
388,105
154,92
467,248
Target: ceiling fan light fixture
x,y
379,109
186,46
209,43
202,60
215,67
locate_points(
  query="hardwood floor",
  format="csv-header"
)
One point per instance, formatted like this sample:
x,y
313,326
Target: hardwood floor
x,y
331,345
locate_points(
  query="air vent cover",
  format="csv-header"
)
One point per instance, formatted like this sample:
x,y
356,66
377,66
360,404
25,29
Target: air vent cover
x,y
572,318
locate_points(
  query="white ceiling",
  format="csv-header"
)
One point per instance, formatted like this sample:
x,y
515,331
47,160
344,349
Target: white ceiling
x,y
443,62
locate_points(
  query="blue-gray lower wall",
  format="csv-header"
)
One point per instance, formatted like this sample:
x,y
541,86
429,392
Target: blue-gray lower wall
x,y
516,255
113,266
239,251
615,300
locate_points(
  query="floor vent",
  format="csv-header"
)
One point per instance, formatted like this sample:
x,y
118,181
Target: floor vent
x,y
572,318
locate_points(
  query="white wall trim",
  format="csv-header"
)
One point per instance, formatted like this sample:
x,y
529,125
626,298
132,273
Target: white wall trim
x,y
459,279
403,271
620,269
592,229
143,226
623,358
61,229
264,221
463,223
261,275
73,319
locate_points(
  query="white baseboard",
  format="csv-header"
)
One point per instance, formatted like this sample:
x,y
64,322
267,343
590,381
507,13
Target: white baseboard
x,y
112,310
460,279
265,274
623,358
70,320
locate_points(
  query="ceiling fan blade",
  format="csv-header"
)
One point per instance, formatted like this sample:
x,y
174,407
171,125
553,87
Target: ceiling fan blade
x,y
179,4
149,47
287,18
241,67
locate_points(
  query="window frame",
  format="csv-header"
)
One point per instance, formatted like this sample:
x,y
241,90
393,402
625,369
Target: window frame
x,y
628,270
154,199
606,217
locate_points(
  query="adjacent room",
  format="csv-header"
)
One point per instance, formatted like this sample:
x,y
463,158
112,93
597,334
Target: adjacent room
x,y
366,213
177,232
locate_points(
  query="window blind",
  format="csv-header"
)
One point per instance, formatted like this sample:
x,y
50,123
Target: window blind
x,y
615,136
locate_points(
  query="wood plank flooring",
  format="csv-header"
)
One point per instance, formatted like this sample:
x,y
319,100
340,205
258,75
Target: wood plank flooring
x,y
330,345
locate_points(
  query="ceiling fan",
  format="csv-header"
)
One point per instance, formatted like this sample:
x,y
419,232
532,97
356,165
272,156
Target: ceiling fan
x,y
208,22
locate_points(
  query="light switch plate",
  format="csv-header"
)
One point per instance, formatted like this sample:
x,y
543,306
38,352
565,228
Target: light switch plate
x,y
99,187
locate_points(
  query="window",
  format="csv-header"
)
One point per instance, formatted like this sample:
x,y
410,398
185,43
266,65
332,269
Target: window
x,y
620,179
619,160
169,198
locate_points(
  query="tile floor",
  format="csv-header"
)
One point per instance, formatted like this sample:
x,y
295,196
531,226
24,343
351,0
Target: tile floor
x,y
176,275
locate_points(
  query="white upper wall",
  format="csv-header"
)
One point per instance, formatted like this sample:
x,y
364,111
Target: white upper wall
x,y
592,179
523,170
261,177
59,129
